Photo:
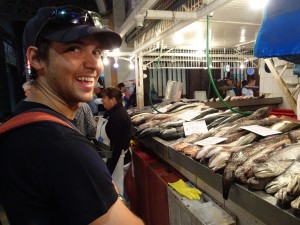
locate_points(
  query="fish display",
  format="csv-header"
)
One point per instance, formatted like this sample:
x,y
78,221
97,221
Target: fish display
x,y
267,163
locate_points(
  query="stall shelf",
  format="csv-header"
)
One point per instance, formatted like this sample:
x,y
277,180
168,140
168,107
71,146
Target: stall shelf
x,y
250,207
248,104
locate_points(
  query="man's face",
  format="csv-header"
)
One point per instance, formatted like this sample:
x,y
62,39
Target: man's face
x,y
73,69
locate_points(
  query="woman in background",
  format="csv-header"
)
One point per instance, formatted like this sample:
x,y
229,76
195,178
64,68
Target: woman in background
x,y
115,131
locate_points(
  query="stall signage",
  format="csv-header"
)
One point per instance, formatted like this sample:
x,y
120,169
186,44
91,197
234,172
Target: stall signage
x,y
194,127
263,131
210,141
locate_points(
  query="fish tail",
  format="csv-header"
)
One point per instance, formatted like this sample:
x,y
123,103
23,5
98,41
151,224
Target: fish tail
x,y
227,181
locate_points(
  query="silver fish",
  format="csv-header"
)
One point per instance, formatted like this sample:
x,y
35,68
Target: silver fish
x,y
279,162
239,157
283,179
270,168
141,118
218,161
149,132
293,187
244,171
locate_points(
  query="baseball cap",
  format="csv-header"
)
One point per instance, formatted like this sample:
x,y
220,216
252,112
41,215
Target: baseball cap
x,y
66,24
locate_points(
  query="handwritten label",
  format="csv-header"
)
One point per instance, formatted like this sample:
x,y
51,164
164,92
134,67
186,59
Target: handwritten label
x,y
263,131
194,127
189,115
210,141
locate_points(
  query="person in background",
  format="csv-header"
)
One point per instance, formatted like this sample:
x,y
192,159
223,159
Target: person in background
x,y
247,89
126,93
229,83
50,173
116,132
27,87
94,102
85,122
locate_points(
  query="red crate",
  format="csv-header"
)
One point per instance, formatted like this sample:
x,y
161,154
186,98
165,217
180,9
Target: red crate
x,y
283,112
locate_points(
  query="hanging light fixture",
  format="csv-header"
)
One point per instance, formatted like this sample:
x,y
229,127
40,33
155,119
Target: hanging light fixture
x,y
105,60
116,64
131,65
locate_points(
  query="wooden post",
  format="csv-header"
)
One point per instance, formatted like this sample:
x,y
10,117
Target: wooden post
x,y
285,91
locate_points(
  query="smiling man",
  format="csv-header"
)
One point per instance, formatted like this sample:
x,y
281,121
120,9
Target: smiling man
x,y
51,173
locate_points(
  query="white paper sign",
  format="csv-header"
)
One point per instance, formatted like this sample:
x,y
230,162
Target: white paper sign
x,y
195,127
210,141
263,131
189,115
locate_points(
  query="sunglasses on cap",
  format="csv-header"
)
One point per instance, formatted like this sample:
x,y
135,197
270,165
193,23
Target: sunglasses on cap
x,y
69,15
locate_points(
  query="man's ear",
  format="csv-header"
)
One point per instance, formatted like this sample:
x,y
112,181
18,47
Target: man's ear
x,y
31,54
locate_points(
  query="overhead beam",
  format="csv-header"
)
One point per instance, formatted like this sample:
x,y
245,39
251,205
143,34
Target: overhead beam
x,y
181,24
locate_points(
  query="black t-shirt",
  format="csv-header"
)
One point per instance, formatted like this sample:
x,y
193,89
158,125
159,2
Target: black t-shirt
x,y
51,174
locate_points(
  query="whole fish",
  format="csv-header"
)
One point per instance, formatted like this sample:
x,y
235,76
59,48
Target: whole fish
x,y
180,145
258,183
283,179
175,106
212,117
230,119
293,187
191,150
204,150
220,148
206,112
216,122
270,168
141,118
239,157
244,171
279,162
171,133
218,161
296,206
233,137
171,124
284,199
149,132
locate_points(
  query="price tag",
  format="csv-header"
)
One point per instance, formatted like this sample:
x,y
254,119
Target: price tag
x,y
195,127
263,131
210,141
189,115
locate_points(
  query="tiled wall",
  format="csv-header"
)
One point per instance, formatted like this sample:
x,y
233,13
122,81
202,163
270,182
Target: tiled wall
x,y
270,87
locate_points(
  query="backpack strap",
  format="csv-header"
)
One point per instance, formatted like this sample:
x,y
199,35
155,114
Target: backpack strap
x,y
39,115
29,118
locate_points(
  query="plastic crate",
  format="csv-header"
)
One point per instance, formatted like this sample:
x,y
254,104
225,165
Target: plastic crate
x,y
283,112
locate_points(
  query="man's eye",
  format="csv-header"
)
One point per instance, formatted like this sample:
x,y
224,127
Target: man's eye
x,y
73,49
97,53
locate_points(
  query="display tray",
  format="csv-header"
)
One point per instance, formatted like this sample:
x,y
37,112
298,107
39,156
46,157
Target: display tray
x,y
258,203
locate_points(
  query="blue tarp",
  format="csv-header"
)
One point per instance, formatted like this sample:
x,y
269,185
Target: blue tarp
x,y
279,35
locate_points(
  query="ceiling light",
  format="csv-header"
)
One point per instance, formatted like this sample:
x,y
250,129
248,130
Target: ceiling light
x,y
242,66
116,64
131,66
